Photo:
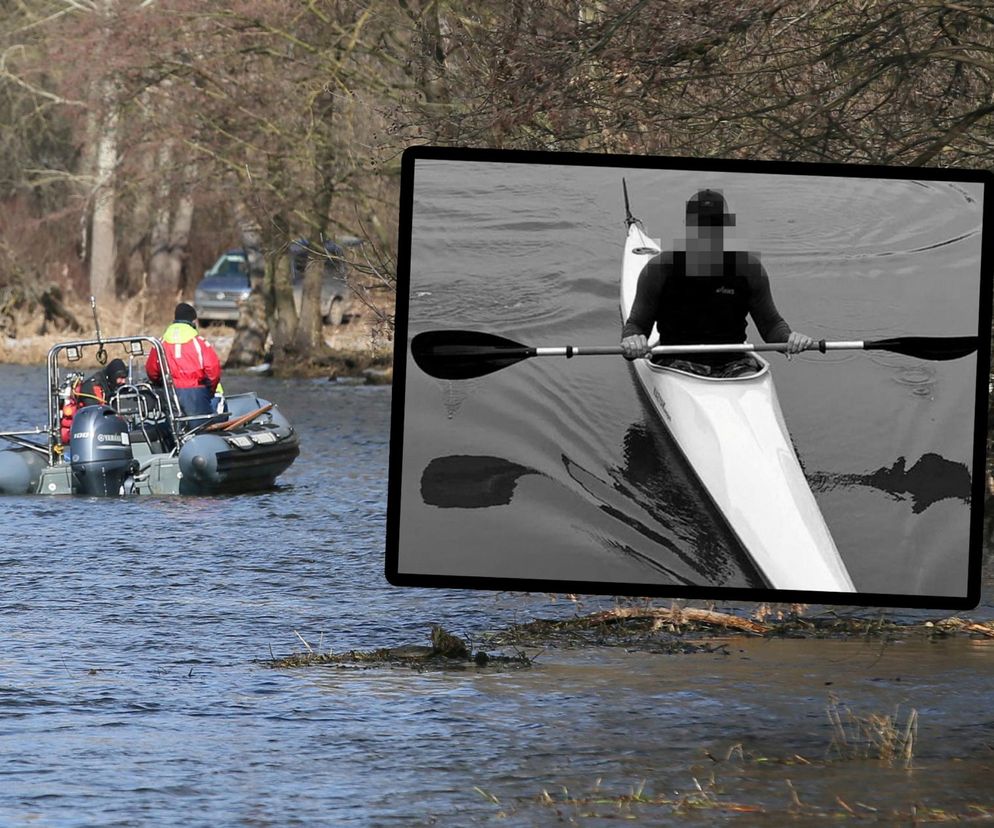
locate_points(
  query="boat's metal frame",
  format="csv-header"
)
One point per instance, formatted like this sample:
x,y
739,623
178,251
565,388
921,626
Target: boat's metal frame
x,y
134,347
733,435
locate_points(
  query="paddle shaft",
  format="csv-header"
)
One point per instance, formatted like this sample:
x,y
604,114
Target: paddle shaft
x,y
741,347
233,424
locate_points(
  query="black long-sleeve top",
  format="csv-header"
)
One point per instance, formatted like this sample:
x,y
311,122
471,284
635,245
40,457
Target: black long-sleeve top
x,y
709,309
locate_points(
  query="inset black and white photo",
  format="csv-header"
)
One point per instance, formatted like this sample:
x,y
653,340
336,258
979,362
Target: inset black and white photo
x,y
690,378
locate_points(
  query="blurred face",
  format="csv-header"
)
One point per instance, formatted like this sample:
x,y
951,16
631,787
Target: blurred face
x,y
705,238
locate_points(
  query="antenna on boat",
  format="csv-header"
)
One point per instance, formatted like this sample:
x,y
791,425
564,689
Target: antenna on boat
x,y
102,353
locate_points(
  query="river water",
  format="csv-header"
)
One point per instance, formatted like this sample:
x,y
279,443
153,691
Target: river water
x,y
555,470
133,689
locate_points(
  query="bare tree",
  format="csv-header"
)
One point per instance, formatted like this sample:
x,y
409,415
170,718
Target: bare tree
x,y
307,107
249,347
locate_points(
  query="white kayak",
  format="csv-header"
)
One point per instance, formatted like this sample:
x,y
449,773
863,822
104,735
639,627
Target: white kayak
x,y
733,435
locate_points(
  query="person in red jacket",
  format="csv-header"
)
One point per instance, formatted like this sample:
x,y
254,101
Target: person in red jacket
x,y
193,363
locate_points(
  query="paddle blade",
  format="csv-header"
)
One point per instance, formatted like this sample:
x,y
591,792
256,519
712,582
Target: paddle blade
x,y
456,355
927,347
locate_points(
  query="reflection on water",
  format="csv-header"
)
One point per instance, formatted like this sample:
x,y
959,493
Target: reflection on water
x,y
657,495
931,479
653,494
467,482
657,479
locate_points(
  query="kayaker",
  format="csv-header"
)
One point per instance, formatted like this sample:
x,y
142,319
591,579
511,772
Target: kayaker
x,y
96,389
702,296
193,363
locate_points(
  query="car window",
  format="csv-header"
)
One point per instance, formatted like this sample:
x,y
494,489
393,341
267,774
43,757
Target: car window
x,y
231,266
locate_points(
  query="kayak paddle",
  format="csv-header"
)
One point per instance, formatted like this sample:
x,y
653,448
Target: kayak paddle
x,y
457,354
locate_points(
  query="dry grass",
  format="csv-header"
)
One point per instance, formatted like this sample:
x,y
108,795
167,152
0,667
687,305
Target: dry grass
x,y
363,335
874,735
628,805
446,652
709,796
118,318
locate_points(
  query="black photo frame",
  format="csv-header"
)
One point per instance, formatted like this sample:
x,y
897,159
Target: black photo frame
x,y
433,482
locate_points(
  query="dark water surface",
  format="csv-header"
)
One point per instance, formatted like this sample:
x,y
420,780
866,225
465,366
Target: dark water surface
x,y
132,693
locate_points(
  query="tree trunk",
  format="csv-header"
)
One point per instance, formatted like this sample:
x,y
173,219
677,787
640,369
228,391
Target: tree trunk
x,y
284,308
158,263
308,340
103,253
139,232
179,240
56,313
432,56
88,174
249,346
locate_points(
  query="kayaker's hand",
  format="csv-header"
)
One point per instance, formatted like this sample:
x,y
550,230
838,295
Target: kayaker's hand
x,y
798,342
634,346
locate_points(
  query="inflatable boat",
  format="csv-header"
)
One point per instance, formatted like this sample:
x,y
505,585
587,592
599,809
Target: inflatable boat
x,y
140,442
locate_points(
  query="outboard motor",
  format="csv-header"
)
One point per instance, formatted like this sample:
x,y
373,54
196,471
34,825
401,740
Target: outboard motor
x,y
100,451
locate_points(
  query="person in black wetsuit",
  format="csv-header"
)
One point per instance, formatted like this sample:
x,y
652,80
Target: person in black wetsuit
x,y
97,389
702,296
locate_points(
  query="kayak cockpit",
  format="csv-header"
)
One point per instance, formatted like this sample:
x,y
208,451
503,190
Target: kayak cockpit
x,y
761,368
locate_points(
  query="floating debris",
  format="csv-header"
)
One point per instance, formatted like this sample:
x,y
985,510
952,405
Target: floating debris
x,y
665,630
447,652
679,629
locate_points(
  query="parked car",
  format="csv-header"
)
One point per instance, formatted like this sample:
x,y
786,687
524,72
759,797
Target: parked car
x,y
227,282
334,288
222,288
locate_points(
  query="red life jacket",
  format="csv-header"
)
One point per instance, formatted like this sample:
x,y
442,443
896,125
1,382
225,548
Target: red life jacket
x,y
77,399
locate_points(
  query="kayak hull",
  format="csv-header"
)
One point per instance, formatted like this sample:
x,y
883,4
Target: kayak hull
x,y
733,435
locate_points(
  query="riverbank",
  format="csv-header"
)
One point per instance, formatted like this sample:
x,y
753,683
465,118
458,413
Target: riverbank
x,y
755,717
360,351
644,628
